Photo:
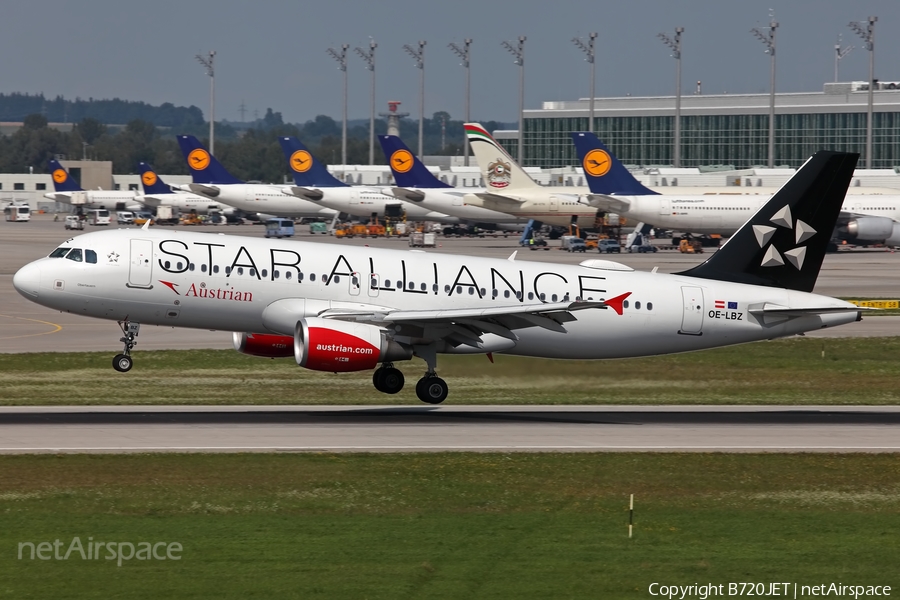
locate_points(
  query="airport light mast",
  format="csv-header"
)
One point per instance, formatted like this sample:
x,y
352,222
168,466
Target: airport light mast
x,y
839,54
589,50
463,53
518,52
866,30
208,63
369,57
675,45
419,57
341,57
767,37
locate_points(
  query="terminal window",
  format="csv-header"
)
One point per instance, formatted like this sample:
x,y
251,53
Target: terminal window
x,y
40,186
19,186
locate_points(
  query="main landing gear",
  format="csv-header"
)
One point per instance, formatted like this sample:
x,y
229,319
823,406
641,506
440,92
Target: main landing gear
x,y
123,362
431,389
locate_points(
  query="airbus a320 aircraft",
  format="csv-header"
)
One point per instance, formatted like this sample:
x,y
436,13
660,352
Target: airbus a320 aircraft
x,y
336,308
69,192
157,193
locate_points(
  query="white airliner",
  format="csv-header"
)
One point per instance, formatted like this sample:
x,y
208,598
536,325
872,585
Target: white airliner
x,y
511,190
157,193
212,180
313,182
69,192
417,185
864,218
336,308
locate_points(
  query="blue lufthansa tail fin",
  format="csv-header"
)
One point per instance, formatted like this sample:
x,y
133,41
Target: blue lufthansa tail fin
x,y
307,171
62,181
153,183
203,166
407,169
604,173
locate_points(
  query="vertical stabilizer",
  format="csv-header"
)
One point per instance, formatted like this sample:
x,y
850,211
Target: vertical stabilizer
x,y
407,169
306,169
153,183
203,166
603,171
500,172
62,181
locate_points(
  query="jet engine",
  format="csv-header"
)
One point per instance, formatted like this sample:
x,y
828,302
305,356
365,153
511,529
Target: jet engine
x,y
264,344
872,229
331,345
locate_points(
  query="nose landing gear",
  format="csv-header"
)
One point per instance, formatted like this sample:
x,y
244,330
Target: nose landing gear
x,y
123,362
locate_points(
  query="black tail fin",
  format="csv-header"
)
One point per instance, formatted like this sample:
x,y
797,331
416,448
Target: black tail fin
x,y
783,244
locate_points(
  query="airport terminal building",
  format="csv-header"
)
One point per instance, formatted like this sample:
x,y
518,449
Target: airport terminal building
x,y
716,129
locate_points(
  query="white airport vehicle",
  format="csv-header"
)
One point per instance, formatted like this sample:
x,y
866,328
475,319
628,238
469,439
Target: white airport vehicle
x,y
511,190
17,213
74,222
337,308
98,216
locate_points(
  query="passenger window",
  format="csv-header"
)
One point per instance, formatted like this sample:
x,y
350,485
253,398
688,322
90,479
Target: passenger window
x,y
387,283
625,304
422,287
312,276
264,271
228,270
553,297
90,257
637,305
215,268
166,265
203,268
287,275
275,274
506,293
337,279
252,272
75,255
240,270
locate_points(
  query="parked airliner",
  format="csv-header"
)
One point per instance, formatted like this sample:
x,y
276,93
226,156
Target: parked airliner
x,y
67,191
313,182
865,219
337,308
212,180
157,193
511,190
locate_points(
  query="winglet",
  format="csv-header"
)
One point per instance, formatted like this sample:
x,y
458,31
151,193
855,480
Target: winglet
x,y
512,257
616,303
146,225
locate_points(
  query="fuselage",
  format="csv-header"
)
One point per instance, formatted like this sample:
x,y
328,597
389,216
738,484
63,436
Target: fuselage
x,y
111,199
552,207
454,202
364,202
183,201
260,198
230,283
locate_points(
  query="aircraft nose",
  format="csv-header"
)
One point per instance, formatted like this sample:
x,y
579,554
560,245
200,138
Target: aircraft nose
x,y
27,280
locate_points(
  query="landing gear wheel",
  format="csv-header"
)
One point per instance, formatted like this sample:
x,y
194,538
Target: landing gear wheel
x,y
388,380
122,363
432,389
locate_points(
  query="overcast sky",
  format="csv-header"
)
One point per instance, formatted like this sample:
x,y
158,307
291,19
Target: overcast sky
x,y
272,54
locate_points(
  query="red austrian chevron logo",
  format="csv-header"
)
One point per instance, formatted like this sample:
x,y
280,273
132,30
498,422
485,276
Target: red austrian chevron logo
x,y
170,285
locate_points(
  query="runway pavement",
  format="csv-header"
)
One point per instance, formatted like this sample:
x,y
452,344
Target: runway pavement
x,y
449,428
27,327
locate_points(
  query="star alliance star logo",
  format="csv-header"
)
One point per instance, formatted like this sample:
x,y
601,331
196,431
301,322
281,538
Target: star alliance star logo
x,y
802,232
112,257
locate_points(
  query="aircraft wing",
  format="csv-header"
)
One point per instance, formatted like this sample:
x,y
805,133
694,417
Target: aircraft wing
x,y
614,204
204,189
410,194
303,192
499,199
465,326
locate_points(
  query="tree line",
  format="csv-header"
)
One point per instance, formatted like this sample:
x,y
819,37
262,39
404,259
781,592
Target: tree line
x,y
252,155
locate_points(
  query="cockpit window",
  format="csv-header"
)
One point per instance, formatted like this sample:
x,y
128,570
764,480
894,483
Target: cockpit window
x,y
91,257
75,255
59,252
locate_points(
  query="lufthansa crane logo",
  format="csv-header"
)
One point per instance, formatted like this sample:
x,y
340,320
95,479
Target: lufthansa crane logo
x,y
597,163
59,175
149,178
402,161
198,159
301,161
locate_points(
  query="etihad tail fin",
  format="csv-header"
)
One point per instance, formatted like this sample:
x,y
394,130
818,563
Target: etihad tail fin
x,y
62,181
307,171
784,243
408,170
604,173
153,183
499,170
203,166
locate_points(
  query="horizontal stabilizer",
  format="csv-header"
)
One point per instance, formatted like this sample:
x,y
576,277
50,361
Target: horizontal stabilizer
x,y
408,194
609,203
206,190
512,202
305,192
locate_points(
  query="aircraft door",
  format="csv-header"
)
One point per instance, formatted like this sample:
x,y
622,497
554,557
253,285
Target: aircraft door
x,y
354,197
374,283
140,272
554,203
692,318
354,284
664,206
457,200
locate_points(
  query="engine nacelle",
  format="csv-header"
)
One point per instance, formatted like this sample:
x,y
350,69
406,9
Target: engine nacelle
x,y
873,229
264,344
894,240
338,346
